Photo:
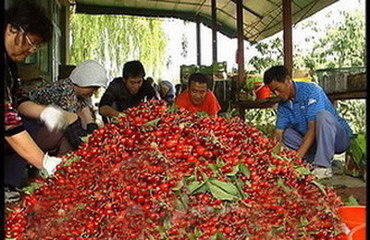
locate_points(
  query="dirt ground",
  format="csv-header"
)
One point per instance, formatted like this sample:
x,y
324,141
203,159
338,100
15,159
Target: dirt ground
x,y
357,192
346,185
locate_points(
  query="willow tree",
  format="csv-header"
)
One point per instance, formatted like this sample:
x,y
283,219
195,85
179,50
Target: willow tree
x,y
115,39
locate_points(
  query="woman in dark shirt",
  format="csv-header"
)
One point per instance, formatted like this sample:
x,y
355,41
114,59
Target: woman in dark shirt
x,y
26,27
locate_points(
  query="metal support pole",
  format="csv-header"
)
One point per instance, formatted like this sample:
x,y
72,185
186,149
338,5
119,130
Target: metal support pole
x,y
214,31
287,23
198,43
240,53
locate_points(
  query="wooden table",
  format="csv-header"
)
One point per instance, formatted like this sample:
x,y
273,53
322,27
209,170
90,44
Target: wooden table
x,y
243,105
347,95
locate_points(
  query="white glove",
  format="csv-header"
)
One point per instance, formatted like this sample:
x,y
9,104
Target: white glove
x,y
54,118
50,163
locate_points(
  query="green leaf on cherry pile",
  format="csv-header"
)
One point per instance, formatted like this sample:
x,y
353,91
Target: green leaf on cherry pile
x,y
214,139
32,187
180,184
242,168
213,167
304,221
116,119
240,184
197,187
172,109
194,236
161,230
153,122
202,114
320,186
182,201
277,148
151,237
167,224
281,184
44,174
223,190
191,236
220,163
281,157
218,236
245,170
302,170
234,172
71,160
85,138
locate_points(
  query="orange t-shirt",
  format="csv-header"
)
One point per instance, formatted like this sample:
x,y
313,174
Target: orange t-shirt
x,y
210,104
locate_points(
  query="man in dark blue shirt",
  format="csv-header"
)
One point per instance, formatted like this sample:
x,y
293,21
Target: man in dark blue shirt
x,y
307,121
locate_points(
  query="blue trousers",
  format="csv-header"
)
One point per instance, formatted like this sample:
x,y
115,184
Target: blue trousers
x,y
331,138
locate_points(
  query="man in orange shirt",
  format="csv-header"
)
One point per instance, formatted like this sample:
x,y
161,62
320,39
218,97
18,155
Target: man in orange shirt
x,y
198,97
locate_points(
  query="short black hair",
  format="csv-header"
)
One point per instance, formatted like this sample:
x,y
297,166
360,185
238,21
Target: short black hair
x,y
133,69
198,77
275,73
150,79
31,18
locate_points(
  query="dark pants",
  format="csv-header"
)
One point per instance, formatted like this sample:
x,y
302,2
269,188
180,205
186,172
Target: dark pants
x,y
55,143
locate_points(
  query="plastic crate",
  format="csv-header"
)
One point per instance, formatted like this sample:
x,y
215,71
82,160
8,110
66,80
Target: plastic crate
x,y
336,79
206,70
219,67
219,71
357,82
340,81
186,71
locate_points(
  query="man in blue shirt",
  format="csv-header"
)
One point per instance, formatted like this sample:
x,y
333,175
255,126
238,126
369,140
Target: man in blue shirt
x,y
307,121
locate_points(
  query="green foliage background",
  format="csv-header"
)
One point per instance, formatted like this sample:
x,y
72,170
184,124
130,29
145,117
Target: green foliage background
x,y
115,39
342,45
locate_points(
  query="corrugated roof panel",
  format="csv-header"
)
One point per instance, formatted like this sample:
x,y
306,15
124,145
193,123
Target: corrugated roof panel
x,y
261,18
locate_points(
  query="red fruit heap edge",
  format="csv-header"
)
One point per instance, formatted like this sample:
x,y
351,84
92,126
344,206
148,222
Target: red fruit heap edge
x,y
164,173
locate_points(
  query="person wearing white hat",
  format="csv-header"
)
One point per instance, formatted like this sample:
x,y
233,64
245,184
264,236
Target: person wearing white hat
x,y
57,115
73,96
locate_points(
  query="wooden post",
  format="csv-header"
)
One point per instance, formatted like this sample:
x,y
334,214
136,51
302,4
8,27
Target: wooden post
x,y
240,49
214,31
198,43
287,23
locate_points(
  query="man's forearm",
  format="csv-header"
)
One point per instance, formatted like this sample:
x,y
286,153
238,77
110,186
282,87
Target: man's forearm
x,y
278,135
108,111
30,109
23,144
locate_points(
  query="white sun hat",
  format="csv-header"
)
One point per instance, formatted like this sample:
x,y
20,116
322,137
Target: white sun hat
x,y
89,74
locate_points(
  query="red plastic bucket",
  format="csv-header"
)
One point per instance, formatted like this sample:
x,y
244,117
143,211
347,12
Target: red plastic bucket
x,y
358,233
262,91
352,216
